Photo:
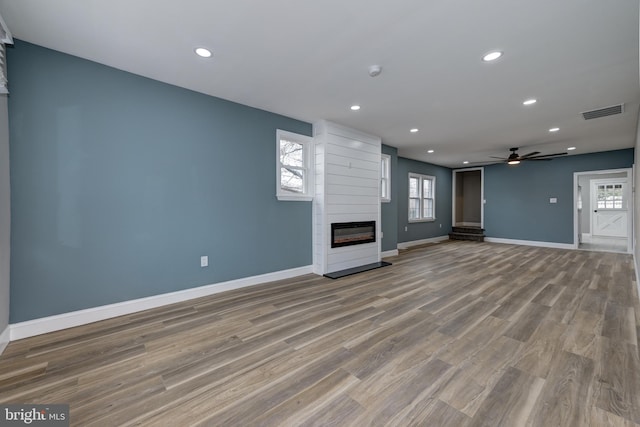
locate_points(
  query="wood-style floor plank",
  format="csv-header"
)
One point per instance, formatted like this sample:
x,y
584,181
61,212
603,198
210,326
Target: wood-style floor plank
x,y
452,334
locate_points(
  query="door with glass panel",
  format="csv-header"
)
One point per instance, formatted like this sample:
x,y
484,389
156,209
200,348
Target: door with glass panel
x,y
609,208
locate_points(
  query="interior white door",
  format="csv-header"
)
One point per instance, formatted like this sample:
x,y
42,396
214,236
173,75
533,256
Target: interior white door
x,y
609,204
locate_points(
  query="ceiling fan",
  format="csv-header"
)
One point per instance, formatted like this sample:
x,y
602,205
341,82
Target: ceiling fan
x,y
514,158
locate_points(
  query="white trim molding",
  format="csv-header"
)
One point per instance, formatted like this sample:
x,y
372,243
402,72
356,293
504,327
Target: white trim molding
x,y
530,243
454,174
4,338
307,169
58,322
387,254
631,202
407,245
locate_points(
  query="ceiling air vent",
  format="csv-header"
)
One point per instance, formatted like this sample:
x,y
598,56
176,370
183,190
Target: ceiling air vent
x,y
603,112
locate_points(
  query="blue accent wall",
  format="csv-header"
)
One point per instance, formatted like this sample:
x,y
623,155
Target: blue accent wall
x,y
389,212
518,196
120,183
423,230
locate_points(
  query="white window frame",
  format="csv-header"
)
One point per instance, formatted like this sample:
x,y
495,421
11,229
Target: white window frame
x,y
385,178
307,168
421,178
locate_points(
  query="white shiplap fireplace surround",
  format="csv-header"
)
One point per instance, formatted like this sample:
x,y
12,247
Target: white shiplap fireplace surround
x,y
347,189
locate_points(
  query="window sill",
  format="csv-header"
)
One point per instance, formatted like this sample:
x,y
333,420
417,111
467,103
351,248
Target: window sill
x,y
287,198
422,220
385,200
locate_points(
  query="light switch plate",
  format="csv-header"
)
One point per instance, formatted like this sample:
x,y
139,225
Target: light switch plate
x,y
553,200
204,261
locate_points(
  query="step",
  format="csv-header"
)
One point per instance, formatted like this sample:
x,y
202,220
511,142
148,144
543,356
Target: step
x,y
467,236
468,230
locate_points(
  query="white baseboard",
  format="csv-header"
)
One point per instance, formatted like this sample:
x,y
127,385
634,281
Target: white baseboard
x,y
530,243
58,322
387,254
4,338
586,237
407,245
635,265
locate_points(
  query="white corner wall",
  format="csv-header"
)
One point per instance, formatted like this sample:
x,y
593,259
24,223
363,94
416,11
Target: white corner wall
x,y
5,223
636,201
347,189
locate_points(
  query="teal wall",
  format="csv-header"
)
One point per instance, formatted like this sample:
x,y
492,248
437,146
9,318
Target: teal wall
x,y
5,221
389,212
120,183
518,196
423,230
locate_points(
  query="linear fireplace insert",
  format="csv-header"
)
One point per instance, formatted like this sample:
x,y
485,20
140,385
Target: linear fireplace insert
x,y
352,233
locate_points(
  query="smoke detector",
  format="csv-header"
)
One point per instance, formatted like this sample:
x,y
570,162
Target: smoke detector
x,y
375,70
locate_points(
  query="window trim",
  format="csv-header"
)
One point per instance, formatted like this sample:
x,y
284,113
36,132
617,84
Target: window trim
x,y
307,144
421,179
385,160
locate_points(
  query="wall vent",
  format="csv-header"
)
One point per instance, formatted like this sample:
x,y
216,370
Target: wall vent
x,y
3,70
5,38
603,112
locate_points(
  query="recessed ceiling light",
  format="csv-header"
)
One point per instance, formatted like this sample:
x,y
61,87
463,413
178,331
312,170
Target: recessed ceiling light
x,y
492,56
530,101
429,151
202,52
571,148
414,130
466,162
554,129
355,107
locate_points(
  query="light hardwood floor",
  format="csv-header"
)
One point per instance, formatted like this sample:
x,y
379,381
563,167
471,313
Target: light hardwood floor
x,y
453,334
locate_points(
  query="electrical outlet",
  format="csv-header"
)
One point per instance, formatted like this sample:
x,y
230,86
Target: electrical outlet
x,y
204,261
440,225
405,228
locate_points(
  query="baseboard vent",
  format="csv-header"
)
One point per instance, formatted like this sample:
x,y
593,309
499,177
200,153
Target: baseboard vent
x,y
603,112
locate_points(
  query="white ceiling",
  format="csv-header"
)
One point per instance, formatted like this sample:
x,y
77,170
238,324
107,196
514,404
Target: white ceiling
x,y
309,60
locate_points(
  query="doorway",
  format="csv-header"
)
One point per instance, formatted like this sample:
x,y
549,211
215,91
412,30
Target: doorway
x,y
603,210
468,198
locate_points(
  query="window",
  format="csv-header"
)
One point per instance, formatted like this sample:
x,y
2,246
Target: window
x,y
385,178
294,167
422,197
610,196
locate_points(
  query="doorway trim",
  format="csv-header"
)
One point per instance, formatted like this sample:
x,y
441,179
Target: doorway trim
x,y
453,194
630,203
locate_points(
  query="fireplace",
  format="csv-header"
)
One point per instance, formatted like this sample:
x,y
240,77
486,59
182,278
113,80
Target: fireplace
x,y
352,233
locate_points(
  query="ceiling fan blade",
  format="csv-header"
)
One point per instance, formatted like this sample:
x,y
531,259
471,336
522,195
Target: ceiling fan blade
x,y
487,163
501,158
533,153
549,155
538,159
